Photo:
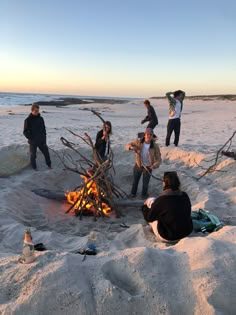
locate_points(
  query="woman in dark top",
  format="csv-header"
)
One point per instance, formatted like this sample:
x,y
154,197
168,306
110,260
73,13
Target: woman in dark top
x,y
102,144
170,214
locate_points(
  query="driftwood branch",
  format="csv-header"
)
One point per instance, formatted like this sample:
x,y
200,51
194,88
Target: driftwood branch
x,y
212,168
97,179
98,115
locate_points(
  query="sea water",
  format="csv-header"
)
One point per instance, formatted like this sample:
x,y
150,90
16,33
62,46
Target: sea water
x,y
15,99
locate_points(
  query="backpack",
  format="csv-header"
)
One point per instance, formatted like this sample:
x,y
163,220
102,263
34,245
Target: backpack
x,y
205,222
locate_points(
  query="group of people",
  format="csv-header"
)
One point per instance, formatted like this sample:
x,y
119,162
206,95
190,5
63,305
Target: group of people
x,y
169,214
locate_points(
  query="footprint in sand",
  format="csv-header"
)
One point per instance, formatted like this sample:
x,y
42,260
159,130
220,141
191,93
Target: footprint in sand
x,y
121,275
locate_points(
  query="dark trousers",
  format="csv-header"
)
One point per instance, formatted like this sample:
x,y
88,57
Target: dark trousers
x,y
173,125
151,125
138,171
33,150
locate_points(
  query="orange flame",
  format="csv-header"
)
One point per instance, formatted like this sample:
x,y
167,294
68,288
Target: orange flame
x,y
88,198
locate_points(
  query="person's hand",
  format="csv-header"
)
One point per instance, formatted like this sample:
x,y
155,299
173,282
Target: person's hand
x,y
105,134
154,166
149,201
133,148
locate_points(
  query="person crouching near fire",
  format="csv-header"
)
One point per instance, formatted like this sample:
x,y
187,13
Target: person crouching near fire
x,y
148,157
169,215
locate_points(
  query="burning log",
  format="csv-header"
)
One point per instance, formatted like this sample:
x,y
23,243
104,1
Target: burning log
x,y
95,195
61,196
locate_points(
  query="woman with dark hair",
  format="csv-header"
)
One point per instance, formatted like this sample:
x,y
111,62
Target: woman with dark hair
x,y
169,215
102,144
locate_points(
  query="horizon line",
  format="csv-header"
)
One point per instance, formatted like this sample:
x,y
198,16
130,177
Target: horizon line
x,y
121,97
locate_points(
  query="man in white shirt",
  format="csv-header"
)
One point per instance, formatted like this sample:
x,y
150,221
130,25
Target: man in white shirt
x,y
175,109
148,157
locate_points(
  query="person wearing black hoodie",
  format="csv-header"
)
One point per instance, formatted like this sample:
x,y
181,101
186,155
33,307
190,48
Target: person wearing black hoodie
x,y
169,215
35,132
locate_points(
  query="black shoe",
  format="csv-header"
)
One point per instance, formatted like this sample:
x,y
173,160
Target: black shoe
x,y
40,247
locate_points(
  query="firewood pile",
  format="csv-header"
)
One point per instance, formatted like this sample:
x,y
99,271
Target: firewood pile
x,y
96,193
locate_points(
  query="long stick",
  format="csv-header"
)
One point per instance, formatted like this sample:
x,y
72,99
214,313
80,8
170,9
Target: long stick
x,y
98,115
212,167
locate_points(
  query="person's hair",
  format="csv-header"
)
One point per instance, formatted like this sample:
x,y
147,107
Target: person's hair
x,y
149,131
177,93
108,123
147,102
34,106
171,181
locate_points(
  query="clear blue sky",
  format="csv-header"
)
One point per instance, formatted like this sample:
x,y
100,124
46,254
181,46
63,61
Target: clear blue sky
x,y
118,48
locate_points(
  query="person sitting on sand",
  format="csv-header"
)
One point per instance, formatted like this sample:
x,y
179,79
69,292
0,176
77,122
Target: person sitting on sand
x,y
175,109
102,144
35,132
151,116
229,154
169,215
148,157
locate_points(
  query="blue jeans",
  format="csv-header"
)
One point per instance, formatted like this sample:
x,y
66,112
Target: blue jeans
x,y
138,171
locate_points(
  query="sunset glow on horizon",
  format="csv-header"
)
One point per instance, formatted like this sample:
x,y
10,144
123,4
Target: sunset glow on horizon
x,y
128,50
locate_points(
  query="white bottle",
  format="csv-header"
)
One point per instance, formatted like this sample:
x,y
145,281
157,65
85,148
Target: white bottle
x,y
27,256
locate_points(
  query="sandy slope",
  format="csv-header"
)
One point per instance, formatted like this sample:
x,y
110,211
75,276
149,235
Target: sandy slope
x,y
132,273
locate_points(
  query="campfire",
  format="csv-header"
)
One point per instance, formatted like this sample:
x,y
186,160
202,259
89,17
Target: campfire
x,y
89,200
95,195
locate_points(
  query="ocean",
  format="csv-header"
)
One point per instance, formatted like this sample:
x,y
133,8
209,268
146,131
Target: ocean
x,y
15,99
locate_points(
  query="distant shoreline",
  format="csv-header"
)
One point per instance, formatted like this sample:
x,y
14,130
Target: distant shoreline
x,y
221,97
75,101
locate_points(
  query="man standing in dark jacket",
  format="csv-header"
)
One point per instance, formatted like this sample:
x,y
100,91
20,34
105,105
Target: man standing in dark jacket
x,y
35,132
151,116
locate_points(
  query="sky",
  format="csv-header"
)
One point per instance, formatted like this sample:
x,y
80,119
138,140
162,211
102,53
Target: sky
x,y
126,48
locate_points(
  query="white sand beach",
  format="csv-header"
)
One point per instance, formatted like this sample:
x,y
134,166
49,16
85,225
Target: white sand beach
x,y
132,272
